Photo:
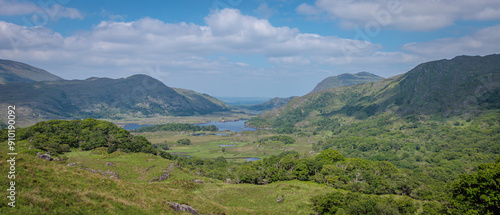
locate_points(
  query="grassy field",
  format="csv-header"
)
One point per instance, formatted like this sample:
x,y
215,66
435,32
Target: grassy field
x,y
245,143
54,187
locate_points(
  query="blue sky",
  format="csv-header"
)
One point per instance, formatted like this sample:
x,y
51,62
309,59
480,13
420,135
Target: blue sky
x,y
243,48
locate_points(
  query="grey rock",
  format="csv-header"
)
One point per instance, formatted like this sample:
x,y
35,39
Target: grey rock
x,y
44,156
197,181
182,207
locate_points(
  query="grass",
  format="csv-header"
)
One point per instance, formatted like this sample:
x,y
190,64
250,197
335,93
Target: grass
x,y
53,187
246,144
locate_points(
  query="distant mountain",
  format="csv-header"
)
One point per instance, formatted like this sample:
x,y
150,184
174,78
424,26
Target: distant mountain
x,y
16,72
462,86
138,95
244,101
271,104
346,80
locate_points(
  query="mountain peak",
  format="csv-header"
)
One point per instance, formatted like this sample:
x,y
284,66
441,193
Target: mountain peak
x,y
17,72
346,79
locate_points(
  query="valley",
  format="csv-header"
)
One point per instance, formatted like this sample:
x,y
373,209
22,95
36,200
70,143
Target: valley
x,y
410,144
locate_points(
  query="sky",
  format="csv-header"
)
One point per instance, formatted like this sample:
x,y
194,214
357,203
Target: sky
x,y
243,48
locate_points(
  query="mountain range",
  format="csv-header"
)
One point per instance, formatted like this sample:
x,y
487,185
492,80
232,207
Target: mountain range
x,y
42,95
464,85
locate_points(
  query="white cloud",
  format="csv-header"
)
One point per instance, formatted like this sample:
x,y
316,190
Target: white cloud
x,y
483,42
308,9
207,52
43,10
422,15
10,8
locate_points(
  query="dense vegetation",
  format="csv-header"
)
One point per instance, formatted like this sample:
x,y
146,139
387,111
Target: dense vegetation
x,y
280,138
176,127
369,187
329,167
59,136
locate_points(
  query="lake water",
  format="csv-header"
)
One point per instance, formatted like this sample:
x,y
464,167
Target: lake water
x,y
132,126
252,159
225,145
235,126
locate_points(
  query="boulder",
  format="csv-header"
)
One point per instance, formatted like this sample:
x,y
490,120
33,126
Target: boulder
x,y
197,181
182,207
44,156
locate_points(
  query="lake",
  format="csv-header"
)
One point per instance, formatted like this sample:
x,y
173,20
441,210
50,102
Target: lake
x,y
235,126
252,159
226,145
132,126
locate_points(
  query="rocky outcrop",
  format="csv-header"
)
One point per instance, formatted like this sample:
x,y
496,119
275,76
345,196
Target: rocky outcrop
x,y
163,177
197,181
182,207
44,156
112,175
149,168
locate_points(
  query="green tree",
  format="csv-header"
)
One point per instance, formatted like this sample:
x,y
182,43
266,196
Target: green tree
x,y
184,141
478,192
329,156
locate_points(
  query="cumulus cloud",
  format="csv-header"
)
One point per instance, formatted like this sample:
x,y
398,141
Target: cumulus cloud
x,y
182,50
43,10
420,15
227,31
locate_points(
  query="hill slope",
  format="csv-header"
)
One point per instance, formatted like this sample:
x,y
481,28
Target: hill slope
x,y
13,72
463,85
202,100
346,80
271,104
138,95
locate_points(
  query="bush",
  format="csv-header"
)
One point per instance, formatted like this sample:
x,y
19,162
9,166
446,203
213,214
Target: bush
x,y
184,141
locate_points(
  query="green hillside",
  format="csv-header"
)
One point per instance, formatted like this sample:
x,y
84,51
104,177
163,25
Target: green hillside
x,y
15,72
459,87
346,80
440,118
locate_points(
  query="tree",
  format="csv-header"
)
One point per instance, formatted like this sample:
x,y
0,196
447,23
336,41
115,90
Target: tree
x,y
478,192
329,156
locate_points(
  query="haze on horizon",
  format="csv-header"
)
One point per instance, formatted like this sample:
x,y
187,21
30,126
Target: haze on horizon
x,y
243,48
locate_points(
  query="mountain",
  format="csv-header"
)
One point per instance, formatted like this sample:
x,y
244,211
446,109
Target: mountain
x,y
271,104
138,95
243,101
346,80
15,72
462,86
202,100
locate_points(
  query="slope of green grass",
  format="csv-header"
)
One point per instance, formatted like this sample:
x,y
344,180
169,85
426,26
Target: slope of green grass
x,y
53,187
